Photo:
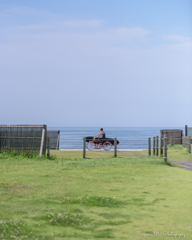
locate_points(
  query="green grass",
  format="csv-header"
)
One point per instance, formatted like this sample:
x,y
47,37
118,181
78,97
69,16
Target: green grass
x,y
175,152
178,153
129,197
77,155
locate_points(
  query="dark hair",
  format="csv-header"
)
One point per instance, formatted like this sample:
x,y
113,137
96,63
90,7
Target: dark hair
x,y
101,129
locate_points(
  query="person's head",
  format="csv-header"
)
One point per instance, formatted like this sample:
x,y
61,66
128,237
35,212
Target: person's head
x,y
101,129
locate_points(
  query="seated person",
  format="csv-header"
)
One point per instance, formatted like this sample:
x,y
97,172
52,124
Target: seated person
x,y
102,134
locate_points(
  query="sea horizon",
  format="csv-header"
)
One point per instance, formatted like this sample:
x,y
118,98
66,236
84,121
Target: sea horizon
x,y
129,137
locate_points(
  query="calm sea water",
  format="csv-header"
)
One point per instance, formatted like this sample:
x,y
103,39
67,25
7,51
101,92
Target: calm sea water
x,y
129,137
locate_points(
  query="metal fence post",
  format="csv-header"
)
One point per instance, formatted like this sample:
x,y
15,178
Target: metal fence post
x,y
165,148
115,147
149,146
84,147
153,146
48,147
157,145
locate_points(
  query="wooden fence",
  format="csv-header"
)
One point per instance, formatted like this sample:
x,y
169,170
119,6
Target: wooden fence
x,y
174,136
187,143
23,138
188,132
158,149
54,139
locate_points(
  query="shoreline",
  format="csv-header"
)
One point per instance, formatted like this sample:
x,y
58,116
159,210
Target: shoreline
x,y
102,150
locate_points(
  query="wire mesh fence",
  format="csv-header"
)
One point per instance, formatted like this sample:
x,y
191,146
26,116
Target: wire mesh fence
x,y
73,148
133,144
130,144
71,144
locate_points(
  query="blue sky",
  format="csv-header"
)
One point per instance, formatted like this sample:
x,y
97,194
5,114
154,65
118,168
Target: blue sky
x,y
96,63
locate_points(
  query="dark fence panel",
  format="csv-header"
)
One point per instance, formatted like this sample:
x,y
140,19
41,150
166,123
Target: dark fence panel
x,y
23,137
173,136
54,139
187,143
189,132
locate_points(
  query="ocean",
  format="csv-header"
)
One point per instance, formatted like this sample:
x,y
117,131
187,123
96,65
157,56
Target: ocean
x,y
129,137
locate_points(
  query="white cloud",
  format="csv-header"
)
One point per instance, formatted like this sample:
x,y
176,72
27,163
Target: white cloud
x,y
130,33
177,39
61,26
80,23
20,10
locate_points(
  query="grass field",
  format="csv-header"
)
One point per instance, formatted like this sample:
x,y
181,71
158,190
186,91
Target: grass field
x,y
175,152
178,153
129,197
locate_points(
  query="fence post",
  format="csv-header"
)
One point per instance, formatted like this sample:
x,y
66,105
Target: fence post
x,y
45,140
58,140
186,133
42,142
157,145
189,146
84,147
165,148
153,146
48,147
149,146
171,141
161,146
115,147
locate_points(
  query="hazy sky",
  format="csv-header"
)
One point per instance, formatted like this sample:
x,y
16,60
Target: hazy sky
x,y
106,63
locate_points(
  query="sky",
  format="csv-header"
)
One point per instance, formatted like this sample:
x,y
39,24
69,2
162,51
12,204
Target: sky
x,y
96,63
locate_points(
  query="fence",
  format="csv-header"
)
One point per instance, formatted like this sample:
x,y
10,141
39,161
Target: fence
x,y
188,132
174,136
158,149
54,139
23,138
84,147
125,144
187,143
122,148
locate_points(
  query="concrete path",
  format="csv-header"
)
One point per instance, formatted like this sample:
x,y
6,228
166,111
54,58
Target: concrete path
x,y
187,165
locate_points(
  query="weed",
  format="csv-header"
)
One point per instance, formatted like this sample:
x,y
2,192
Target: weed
x,y
15,229
169,163
112,215
93,201
24,155
66,219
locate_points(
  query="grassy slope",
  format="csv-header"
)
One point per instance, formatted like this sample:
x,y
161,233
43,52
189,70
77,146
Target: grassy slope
x,y
93,198
178,153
